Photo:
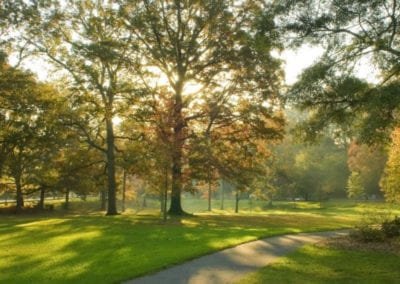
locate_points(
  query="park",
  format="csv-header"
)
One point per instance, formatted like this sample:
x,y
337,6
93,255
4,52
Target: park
x,y
86,247
138,137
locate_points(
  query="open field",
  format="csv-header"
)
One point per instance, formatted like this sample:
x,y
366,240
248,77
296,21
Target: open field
x,y
62,248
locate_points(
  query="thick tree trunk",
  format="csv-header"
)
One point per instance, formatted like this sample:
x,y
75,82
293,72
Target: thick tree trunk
x,y
112,196
176,188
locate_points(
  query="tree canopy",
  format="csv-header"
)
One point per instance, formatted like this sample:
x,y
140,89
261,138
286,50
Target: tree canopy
x,y
354,35
175,73
175,94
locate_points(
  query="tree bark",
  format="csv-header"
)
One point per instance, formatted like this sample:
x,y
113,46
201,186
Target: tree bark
x,y
66,205
19,195
176,188
222,194
123,191
112,198
237,201
165,196
209,194
41,199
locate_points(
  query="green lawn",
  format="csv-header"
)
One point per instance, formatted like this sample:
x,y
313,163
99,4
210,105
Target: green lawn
x,y
321,265
98,249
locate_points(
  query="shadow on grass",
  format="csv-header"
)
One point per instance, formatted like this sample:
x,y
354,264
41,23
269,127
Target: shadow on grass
x,y
98,249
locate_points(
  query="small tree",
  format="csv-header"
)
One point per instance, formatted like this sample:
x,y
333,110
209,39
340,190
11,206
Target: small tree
x,y
355,187
390,182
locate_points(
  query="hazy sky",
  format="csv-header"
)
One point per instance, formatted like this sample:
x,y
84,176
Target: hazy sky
x,y
296,62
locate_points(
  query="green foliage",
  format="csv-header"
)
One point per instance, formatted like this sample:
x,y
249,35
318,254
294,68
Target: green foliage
x,y
369,162
391,228
351,33
316,171
355,188
367,234
31,116
377,225
390,179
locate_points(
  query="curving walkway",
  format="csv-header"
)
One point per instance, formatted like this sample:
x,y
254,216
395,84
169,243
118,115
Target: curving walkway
x,y
229,265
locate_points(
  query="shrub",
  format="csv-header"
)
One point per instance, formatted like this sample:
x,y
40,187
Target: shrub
x,y
391,228
367,234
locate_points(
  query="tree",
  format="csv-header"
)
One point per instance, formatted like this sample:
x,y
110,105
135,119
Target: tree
x,y
87,41
368,162
315,170
351,33
355,188
391,178
30,130
213,46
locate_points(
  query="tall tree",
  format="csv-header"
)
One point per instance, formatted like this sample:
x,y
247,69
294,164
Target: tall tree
x,y
391,178
212,46
369,163
87,41
29,135
352,33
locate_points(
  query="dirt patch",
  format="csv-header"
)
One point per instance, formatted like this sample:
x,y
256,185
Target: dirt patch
x,y
348,243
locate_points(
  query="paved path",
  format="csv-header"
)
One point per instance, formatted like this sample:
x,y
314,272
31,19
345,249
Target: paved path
x,y
229,265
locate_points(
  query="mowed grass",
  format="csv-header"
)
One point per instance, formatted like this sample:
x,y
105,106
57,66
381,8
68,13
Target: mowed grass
x,y
99,249
320,265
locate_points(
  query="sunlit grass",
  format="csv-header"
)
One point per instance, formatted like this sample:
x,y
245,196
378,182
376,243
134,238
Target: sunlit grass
x,y
318,265
57,248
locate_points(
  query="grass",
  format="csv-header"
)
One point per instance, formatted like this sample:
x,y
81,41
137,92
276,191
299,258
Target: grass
x,y
93,248
320,265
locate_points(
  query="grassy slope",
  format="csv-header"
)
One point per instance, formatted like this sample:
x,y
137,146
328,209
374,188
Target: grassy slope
x,y
98,249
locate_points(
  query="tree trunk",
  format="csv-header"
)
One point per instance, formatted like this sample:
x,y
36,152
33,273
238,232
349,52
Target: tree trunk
x,y
176,188
66,205
19,195
209,195
123,191
112,198
222,194
237,201
41,198
164,202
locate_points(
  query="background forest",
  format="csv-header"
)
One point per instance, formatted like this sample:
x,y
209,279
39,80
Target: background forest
x,y
164,100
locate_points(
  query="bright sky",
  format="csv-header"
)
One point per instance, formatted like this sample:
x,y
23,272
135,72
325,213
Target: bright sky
x,y
296,62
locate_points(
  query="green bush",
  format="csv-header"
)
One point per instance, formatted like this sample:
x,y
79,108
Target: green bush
x,y
391,228
368,234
